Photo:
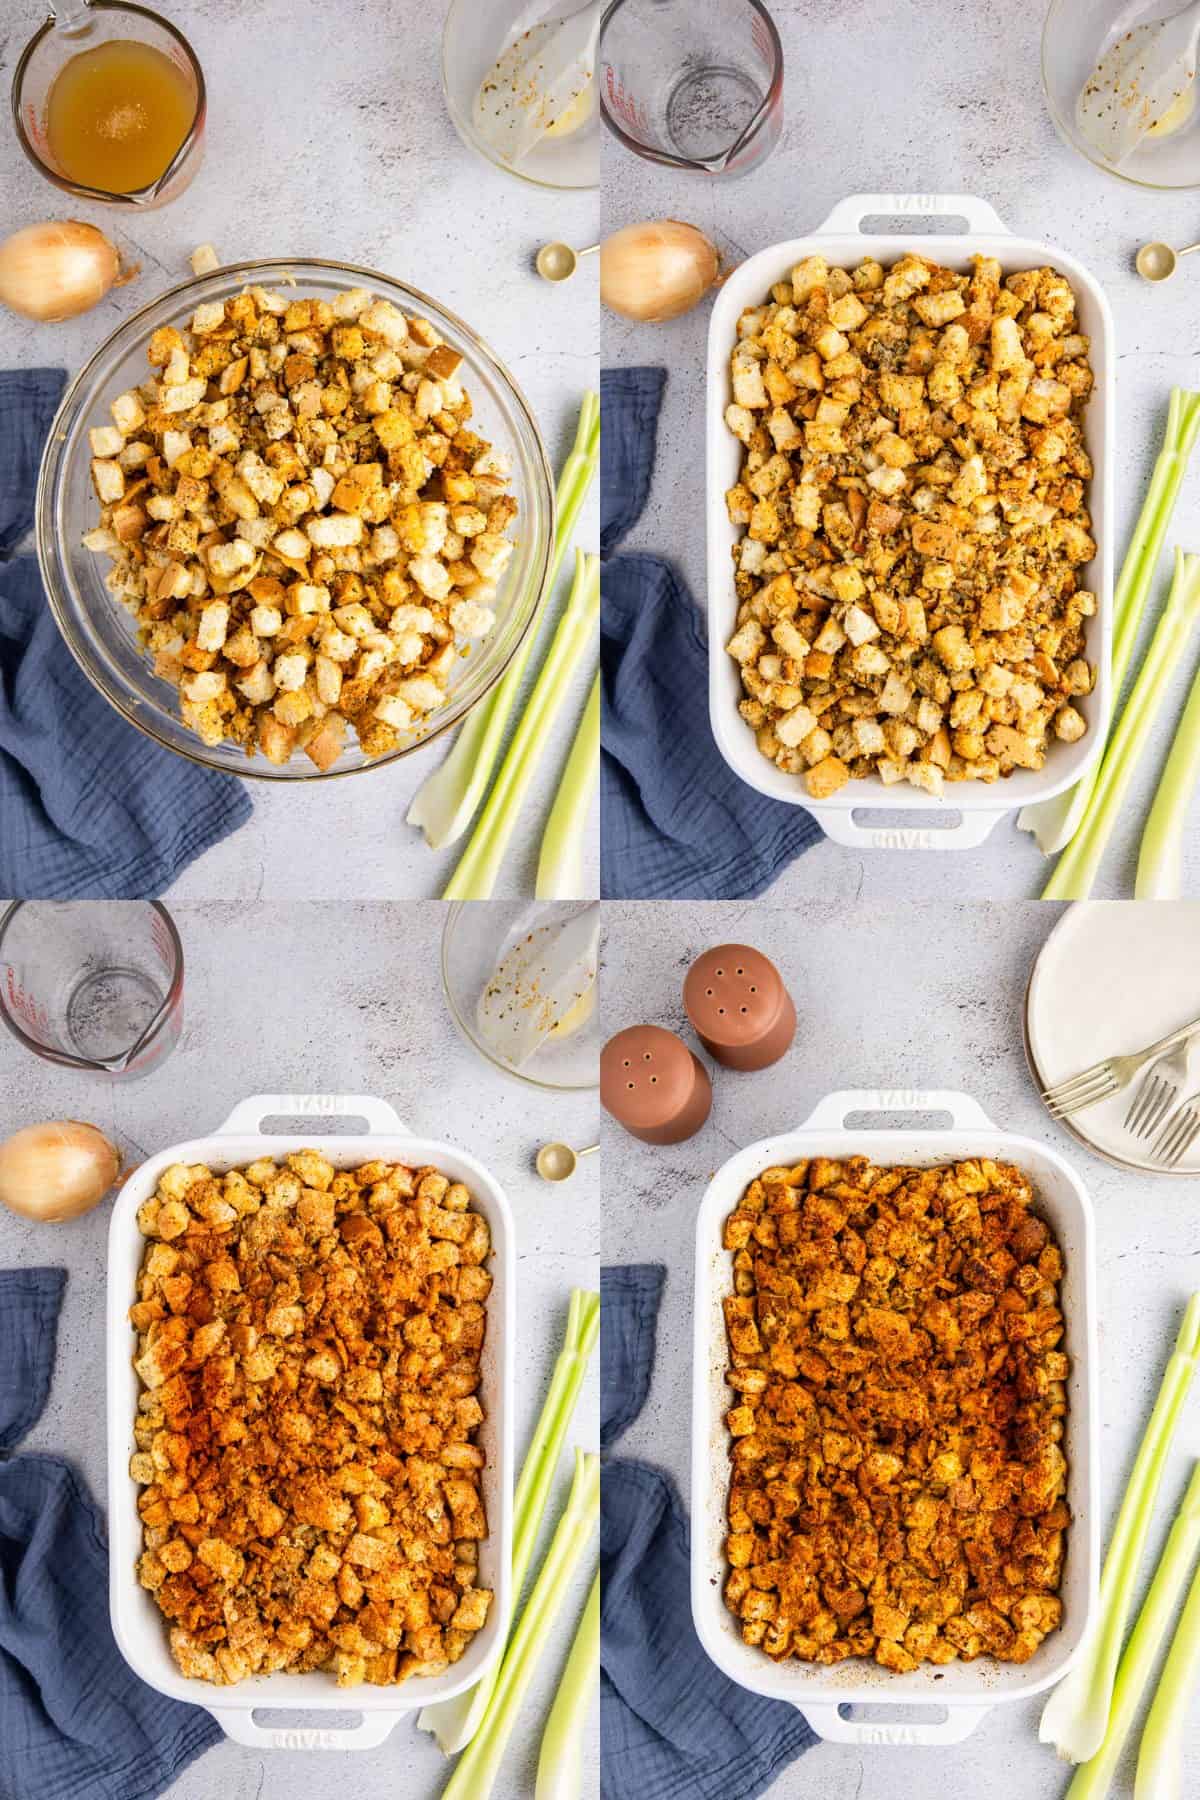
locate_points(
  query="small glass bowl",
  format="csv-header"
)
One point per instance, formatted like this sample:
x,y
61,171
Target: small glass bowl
x,y
475,33
475,936
101,632
1075,36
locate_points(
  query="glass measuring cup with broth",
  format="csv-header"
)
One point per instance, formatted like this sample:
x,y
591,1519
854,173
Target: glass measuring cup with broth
x,y
109,103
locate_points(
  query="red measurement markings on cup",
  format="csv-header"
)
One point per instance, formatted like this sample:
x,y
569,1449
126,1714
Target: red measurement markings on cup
x,y
162,943
623,104
24,1005
762,40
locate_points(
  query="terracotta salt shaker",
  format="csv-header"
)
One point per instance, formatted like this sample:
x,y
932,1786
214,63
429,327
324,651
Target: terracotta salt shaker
x,y
653,1085
739,1007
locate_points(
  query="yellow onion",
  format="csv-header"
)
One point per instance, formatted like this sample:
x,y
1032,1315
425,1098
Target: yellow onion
x,y
56,1170
56,270
657,270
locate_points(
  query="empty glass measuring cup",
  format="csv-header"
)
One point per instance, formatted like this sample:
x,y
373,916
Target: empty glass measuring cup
x,y
128,47
694,86
95,985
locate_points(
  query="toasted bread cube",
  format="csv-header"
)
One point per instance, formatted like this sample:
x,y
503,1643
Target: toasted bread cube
x,y
748,388
129,415
431,576
258,684
328,741
490,554
382,319
421,694
108,479
106,441
214,625
334,530
182,398
395,711
826,777
291,672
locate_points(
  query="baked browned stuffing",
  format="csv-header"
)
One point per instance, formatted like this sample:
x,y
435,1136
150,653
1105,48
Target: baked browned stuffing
x,y
301,520
309,1344
913,496
898,1478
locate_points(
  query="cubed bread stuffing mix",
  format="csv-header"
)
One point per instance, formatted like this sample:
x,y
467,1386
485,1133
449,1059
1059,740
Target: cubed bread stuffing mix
x,y
309,1347
913,493
302,522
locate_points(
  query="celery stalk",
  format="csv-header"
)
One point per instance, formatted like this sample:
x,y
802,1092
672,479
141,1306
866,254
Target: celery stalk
x,y
1093,1778
1079,863
479,865
1075,1718
560,1763
455,1722
477,1767
1160,860
445,804
1160,1758
1054,822
560,865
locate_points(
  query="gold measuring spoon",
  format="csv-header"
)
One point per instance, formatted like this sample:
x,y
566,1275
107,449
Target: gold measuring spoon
x,y
1157,262
558,1162
558,262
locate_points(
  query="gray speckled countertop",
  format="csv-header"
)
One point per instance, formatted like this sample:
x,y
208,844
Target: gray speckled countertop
x,y
895,997
923,96
328,136
291,1000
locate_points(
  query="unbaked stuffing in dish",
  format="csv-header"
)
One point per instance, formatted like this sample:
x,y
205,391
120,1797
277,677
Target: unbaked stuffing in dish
x,y
301,520
913,494
898,1478
309,1348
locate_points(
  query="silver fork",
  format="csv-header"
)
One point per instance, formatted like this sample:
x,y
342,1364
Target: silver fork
x,y
1175,1139
1160,1089
1110,1076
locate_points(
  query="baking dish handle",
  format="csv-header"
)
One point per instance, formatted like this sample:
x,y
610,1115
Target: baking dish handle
x,y
249,1115
840,828
832,1112
849,213
828,1723
372,1730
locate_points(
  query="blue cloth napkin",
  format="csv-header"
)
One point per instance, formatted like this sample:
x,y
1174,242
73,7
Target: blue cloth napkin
x,y
673,1726
75,1722
90,808
632,398
676,822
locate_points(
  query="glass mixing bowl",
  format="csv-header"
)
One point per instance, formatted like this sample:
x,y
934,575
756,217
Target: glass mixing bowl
x,y
475,936
1075,36
101,632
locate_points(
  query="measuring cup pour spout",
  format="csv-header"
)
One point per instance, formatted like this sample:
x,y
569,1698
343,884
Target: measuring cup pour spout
x,y
72,18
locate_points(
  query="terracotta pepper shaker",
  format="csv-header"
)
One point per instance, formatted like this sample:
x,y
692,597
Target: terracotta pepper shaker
x,y
653,1085
739,1007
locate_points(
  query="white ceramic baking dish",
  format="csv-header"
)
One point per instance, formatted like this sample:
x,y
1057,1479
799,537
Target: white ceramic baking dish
x,y
970,808
966,1690
138,1626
